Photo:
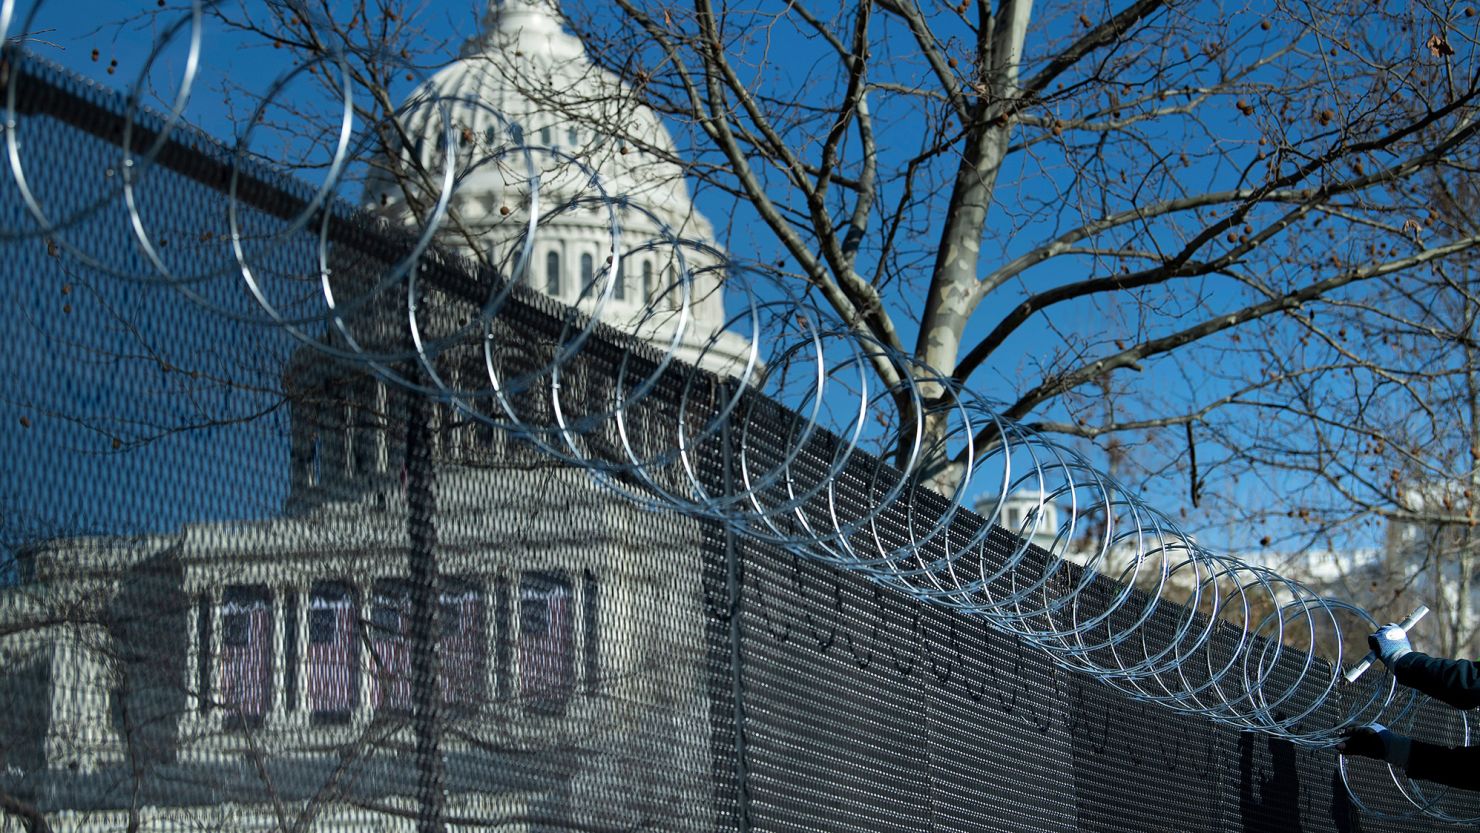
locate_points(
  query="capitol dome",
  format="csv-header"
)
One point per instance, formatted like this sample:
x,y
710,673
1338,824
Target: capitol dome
x,y
524,98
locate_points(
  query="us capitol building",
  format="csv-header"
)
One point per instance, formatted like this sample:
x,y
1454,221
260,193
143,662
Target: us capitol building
x,y
258,675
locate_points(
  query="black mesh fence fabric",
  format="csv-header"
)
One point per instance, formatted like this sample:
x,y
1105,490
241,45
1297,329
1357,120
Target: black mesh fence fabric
x,y
247,586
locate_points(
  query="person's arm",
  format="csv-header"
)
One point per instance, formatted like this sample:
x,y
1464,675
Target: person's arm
x,y
1452,681
1453,766
1450,766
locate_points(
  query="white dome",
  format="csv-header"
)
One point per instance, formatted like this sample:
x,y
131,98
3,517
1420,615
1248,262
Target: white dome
x,y
525,82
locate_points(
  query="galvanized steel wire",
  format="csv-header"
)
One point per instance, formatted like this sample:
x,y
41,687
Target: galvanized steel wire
x,y
876,477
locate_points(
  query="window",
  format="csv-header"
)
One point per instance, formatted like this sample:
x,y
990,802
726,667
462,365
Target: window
x,y
246,654
290,651
552,274
486,437
335,437
463,645
203,653
545,136
390,660
382,422
620,290
546,649
320,440
572,135
355,444
647,281
454,436
592,597
502,628
304,449
316,460
333,656
588,271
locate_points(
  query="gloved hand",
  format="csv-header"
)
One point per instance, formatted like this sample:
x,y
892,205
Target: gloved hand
x,y
1389,643
1378,742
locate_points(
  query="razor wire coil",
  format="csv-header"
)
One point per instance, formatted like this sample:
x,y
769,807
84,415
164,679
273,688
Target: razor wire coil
x,y
1200,632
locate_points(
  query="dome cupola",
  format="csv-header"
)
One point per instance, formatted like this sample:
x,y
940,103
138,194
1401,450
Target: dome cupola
x,y
524,97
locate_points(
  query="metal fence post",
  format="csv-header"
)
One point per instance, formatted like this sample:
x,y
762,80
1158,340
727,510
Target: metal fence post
x,y
421,530
734,587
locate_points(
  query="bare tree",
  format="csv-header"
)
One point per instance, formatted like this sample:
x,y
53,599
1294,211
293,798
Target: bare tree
x,y
1155,165
1041,202
1139,224
1370,429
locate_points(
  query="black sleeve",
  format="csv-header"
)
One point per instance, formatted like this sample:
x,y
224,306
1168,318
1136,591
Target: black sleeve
x,y
1452,681
1453,766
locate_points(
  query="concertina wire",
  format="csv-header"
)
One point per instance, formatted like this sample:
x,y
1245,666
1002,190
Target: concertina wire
x,y
1179,625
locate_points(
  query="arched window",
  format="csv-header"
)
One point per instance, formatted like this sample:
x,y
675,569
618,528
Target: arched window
x,y
545,135
588,271
552,274
647,281
572,135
